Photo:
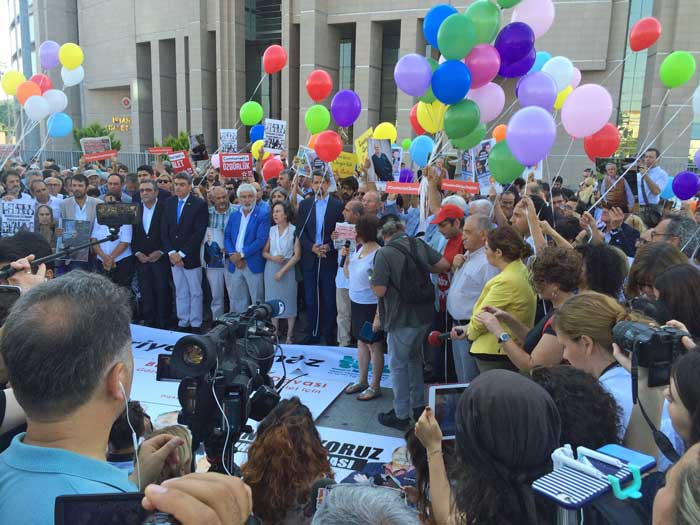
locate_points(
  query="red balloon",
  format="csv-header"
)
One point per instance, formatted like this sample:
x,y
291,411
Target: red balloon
x,y
413,117
272,168
42,81
328,146
319,85
603,143
645,33
274,59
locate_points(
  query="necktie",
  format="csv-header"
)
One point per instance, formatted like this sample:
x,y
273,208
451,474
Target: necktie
x,y
180,204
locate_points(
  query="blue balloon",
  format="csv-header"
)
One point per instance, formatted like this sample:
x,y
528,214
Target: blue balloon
x,y
433,20
451,81
59,125
257,132
667,192
540,60
420,150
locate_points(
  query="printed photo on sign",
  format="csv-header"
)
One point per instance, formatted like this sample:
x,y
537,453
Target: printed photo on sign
x,y
466,165
533,173
275,134
380,165
228,140
213,249
301,162
15,216
198,147
75,233
95,144
481,161
396,154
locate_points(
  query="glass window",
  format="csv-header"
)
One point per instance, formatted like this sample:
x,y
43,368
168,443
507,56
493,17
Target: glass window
x,y
347,64
31,28
390,55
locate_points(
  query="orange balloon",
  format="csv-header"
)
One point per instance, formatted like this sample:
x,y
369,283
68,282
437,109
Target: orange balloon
x,y
312,141
25,90
499,132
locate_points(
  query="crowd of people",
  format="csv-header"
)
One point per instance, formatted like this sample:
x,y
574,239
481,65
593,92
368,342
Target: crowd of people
x,y
527,283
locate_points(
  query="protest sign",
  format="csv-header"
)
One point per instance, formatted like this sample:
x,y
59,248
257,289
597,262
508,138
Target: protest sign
x,y
361,147
460,185
101,155
480,155
344,232
380,167
236,165
344,165
396,154
466,165
95,144
163,150
16,215
212,251
228,140
301,162
533,173
275,133
198,147
180,161
403,188
7,149
75,233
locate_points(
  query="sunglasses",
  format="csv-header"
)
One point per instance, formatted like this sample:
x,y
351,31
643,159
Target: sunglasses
x,y
164,181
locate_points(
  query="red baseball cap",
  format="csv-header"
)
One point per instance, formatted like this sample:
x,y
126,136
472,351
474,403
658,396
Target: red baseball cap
x,y
449,211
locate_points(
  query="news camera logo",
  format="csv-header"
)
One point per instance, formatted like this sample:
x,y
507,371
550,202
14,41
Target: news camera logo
x,y
350,363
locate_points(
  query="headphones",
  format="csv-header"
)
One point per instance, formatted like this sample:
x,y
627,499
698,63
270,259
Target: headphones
x,y
134,441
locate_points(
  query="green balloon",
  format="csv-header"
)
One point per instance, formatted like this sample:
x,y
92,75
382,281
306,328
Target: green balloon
x,y
317,119
406,143
505,4
461,119
429,96
456,37
251,113
470,140
503,165
486,18
677,68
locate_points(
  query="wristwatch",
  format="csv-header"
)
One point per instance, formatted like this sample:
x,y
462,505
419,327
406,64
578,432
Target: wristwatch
x,y
503,338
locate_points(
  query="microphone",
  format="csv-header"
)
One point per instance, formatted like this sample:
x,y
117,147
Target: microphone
x,y
435,337
267,310
342,259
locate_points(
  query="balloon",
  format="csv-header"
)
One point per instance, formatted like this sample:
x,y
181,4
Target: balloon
x,y
431,117
461,119
48,54
405,144
215,161
257,132
412,74
256,147
697,158
490,100
470,140
36,108
677,68
503,165
251,113
328,146
317,118
483,62
346,107
274,59
272,168
312,141
531,134
421,149
514,42
499,132
456,37
59,125
72,77
577,78
537,89
385,131
562,96
42,81
25,90
667,192
586,110
602,144
406,175
57,99
413,118
505,4
433,20
319,85
538,14
685,185
644,33
519,68
561,70
486,18
451,81
11,81
429,96
70,55
541,58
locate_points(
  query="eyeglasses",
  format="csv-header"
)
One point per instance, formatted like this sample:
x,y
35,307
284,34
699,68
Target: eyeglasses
x,y
656,234
163,181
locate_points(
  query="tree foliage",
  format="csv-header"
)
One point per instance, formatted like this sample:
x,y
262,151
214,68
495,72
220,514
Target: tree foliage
x,y
95,130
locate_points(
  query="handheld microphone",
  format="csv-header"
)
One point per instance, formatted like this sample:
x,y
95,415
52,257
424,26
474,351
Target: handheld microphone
x,y
342,259
435,337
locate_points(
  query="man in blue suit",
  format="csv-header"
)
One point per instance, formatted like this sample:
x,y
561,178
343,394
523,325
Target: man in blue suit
x,y
244,239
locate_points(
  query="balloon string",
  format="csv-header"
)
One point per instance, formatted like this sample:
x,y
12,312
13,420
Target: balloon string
x,y
561,167
502,115
25,132
658,112
622,62
258,86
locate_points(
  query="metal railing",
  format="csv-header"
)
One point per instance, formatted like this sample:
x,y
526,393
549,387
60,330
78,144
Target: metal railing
x,y
70,159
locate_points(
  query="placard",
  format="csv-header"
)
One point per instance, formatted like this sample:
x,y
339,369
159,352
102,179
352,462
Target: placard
x,y
15,216
95,144
380,167
75,233
344,232
460,185
301,162
198,147
533,173
228,140
361,147
212,251
102,155
403,188
275,134
344,165
396,155
466,165
180,161
7,149
161,150
236,165
481,160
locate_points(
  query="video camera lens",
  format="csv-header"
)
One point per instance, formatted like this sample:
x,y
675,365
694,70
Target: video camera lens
x,y
193,356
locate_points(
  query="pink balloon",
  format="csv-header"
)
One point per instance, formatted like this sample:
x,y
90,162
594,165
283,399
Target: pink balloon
x,y
490,99
538,14
586,110
215,161
483,62
577,78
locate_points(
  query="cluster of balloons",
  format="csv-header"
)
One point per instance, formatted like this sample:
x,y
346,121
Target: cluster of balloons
x,y
251,113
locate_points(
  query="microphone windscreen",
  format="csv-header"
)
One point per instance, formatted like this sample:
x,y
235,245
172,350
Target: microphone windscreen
x,y
276,306
434,338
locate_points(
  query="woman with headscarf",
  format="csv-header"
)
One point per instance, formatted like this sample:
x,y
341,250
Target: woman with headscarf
x,y
507,428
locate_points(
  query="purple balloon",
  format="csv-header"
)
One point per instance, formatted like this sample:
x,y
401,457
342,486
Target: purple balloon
x,y
697,158
406,175
514,42
346,107
519,68
48,54
537,89
531,134
412,74
685,185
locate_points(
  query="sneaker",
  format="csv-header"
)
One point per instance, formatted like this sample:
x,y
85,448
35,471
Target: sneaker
x,y
389,419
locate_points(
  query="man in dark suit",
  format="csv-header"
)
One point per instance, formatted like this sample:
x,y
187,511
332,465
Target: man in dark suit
x,y
319,259
183,228
152,266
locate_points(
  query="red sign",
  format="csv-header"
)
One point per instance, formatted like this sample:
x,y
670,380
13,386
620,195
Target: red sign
x,y
180,161
102,155
403,188
460,185
160,151
236,165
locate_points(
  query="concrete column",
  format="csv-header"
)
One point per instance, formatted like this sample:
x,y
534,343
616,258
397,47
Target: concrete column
x,y
368,73
290,77
230,61
197,50
155,85
168,86
182,81
411,41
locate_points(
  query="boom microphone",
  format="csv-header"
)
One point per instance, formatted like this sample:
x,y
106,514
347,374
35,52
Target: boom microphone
x,y
342,259
435,337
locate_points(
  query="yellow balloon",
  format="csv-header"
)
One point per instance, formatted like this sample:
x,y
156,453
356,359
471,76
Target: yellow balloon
x,y
562,96
431,116
256,147
385,130
70,55
11,80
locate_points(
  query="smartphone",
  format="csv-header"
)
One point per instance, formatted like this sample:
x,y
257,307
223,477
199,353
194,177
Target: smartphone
x,y
8,297
165,372
367,335
444,399
102,508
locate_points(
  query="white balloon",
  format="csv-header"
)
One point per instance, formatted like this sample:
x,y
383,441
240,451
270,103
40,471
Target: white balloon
x,y
72,77
36,108
696,102
561,70
57,99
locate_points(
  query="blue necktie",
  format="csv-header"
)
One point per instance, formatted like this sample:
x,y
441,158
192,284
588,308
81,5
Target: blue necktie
x,y
180,204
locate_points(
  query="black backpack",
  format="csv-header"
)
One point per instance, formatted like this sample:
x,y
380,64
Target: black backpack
x,y
415,286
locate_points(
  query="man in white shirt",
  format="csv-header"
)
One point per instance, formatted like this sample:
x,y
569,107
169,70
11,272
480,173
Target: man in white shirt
x,y
41,195
213,253
472,273
114,257
54,184
651,181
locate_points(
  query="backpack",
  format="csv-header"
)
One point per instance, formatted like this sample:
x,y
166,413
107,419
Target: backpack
x,y
415,286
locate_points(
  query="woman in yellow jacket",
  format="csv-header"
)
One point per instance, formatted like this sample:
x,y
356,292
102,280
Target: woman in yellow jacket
x,y
510,291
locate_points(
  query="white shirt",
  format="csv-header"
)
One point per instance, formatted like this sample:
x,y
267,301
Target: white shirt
x,y
282,244
467,284
240,240
359,288
81,213
100,231
618,382
147,216
659,177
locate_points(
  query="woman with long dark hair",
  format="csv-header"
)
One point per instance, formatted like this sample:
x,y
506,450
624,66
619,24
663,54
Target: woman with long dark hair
x,y
678,287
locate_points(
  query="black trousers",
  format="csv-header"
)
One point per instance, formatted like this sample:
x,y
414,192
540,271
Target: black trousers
x,y
155,292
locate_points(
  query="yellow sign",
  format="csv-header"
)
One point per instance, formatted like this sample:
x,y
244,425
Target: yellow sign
x,y
122,124
344,165
361,145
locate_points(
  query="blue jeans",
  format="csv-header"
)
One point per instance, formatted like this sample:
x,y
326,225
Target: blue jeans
x,y
406,366
465,364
